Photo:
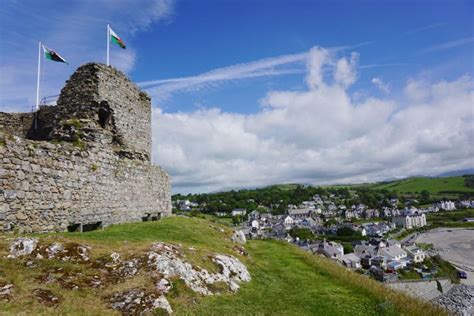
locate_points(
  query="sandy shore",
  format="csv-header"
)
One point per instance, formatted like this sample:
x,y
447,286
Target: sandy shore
x,y
455,245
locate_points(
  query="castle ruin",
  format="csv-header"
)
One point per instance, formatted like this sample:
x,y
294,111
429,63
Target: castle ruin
x,y
85,162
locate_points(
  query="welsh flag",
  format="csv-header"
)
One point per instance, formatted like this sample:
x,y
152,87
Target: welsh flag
x,y
52,55
116,39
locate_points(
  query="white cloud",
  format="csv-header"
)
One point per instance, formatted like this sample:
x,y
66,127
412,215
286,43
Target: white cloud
x,y
320,135
276,66
345,73
381,85
448,45
318,57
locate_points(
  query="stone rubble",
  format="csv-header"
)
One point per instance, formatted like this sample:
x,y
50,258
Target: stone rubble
x,y
459,300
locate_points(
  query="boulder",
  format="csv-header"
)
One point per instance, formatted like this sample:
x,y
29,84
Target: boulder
x,y
238,237
22,246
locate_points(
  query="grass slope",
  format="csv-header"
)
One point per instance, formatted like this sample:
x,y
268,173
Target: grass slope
x,y
435,186
285,279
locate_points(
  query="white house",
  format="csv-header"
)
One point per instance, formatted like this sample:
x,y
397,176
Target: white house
x,y
239,211
288,221
255,224
409,221
392,253
417,254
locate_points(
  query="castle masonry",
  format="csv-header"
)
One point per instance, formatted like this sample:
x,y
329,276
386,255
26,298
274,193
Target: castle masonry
x,y
83,162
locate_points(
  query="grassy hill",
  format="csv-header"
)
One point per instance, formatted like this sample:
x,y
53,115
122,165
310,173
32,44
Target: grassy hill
x,y
285,279
435,186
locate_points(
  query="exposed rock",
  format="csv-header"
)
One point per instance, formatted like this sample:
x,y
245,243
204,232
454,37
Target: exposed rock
x,y
163,286
459,300
54,249
69,252
233,271
241,250
22,246
238,237
6,291
46,297
138,302
167,262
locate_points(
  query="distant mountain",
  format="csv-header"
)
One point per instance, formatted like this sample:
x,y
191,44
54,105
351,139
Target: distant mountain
x,y
456,173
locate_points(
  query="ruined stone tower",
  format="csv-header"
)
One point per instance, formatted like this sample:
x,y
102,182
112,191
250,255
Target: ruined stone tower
x,y
85,161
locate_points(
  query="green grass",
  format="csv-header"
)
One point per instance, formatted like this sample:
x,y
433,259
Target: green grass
x,y
435,186
285,279
221,220
450,216
450,219
409,275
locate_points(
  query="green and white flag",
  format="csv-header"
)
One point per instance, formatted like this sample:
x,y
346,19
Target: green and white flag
x,y
116,39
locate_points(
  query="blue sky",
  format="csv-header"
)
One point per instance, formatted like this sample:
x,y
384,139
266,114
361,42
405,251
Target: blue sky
x,y
229,66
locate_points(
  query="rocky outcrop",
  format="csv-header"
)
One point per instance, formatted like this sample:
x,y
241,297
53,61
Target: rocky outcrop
x,y
163,263
166,260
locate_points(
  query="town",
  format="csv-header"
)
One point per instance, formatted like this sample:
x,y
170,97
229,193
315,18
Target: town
x,y
375,238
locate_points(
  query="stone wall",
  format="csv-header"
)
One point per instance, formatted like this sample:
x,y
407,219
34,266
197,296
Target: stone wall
x,y
86,161
47,187
17,124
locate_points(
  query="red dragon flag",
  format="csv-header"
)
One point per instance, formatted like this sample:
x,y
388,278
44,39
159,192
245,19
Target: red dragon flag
x,y
52,55
116,39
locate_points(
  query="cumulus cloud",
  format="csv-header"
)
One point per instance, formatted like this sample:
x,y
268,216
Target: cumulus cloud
x,y
381,85
345,73
320,135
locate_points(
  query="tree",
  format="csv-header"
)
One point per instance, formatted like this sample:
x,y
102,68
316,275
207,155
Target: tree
x,y
302,233
425,195
347,231
237,219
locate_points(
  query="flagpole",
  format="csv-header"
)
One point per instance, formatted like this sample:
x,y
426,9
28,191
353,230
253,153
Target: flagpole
x,y
38,83
108,43
38,78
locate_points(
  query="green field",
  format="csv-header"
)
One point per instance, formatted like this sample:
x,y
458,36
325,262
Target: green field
x,y
285,279
435,186
451,218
